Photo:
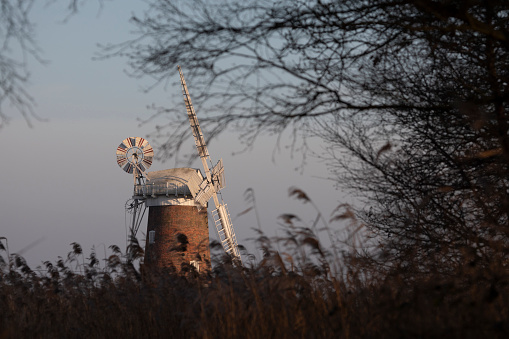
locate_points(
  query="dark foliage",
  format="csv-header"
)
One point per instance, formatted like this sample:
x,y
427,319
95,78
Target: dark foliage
x,y
294,291
409,97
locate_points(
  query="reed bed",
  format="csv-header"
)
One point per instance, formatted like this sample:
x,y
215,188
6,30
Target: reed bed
x,y
311,293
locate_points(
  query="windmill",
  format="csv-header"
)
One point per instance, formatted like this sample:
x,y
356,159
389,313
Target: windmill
x,y
212,183
177,234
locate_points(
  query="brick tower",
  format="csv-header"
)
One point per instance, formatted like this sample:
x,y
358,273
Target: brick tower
x,y
177,229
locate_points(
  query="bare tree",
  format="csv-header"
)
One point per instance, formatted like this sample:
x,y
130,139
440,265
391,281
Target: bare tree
x,y
17,34
261,66
18,49
410,96
436,174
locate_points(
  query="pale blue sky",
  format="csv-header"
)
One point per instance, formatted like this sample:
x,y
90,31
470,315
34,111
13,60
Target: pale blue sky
x,y
60,182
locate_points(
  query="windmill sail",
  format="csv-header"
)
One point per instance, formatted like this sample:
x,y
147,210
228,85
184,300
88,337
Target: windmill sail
x,y
212,183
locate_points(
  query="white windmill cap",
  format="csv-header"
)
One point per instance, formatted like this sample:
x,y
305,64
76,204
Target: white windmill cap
x,y
184,181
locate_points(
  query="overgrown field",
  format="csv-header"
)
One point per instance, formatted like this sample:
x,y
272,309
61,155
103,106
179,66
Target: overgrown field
x,y
299,290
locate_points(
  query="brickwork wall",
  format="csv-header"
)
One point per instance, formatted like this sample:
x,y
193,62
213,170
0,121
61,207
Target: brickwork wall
x,y
181,236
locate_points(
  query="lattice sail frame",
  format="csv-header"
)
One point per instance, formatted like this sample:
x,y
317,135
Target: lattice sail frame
x,y
224,228
212,183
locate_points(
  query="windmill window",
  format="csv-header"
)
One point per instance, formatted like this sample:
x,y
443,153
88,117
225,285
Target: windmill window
x,y
151,237
196,265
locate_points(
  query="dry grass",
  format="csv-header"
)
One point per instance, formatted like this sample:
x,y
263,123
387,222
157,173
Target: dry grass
x,y
298,289
289,295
